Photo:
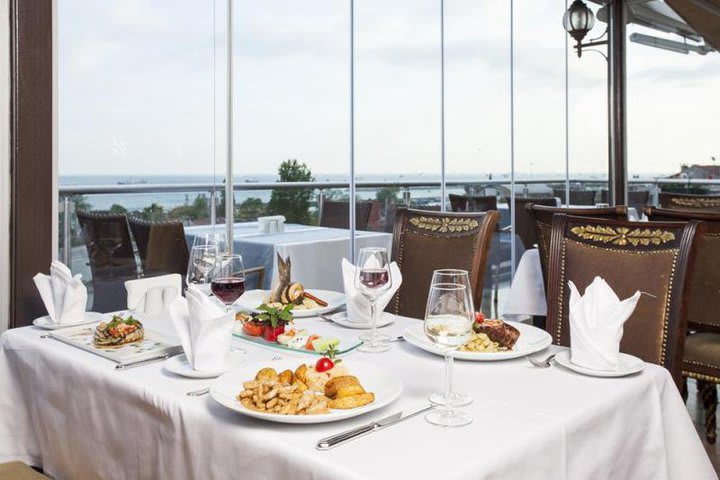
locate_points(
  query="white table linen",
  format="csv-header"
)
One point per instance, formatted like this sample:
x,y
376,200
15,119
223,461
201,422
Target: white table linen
x,y
527,291
71,412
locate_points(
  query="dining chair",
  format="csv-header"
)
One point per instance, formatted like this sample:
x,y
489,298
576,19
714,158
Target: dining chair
x,y
653,257
153,295
472,203
335,214
577,197
543,216
701,360
525,227
424,241
637,199
688,201
162,246
111,256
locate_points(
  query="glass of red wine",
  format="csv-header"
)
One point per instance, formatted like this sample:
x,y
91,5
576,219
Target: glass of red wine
x,y
228,279
372,279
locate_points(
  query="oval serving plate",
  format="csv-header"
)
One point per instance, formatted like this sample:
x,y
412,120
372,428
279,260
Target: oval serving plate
x,y
252,299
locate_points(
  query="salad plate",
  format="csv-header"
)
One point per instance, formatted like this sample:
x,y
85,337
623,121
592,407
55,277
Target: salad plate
x,y
386,387
531,340
627,365
252,299
47,323
341,318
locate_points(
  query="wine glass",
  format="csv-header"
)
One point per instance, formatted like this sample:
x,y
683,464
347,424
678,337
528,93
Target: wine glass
x,y
202,261
372,279
212,239
228,279
448,324
461,277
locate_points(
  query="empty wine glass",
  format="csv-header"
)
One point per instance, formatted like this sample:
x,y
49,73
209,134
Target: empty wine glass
x,y
227,279
372,279
202,261
212,239
461,277
448,323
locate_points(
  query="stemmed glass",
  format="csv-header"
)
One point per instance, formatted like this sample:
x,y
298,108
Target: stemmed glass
x,y
461,277
212,239
448,324
372,279
228,279
202,261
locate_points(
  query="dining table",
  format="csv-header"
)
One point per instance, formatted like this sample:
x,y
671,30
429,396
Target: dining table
x,y
78,417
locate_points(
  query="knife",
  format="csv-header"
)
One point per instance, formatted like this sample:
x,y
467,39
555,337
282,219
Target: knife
x,y
139,363
340,438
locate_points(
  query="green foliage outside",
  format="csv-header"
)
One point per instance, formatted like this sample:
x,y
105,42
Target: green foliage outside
x,y
293,204
250,209
388,195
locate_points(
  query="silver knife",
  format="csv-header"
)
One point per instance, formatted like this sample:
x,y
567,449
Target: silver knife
x,y
340,438
139,363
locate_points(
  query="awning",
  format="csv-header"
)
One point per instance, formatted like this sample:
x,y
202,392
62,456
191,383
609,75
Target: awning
x,y
703,16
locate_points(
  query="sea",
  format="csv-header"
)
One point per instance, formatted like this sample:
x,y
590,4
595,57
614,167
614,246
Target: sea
x,y
137,201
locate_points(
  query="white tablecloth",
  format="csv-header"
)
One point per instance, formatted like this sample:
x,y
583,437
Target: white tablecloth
x,y
527,291
72,413
316,252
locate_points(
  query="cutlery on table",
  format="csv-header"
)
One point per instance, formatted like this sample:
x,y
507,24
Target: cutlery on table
x,y
541,363
399,338
197,393
333,441
140,363
327,318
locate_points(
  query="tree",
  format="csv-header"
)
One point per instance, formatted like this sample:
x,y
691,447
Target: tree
x,y
294,203
118,209
388,195
154,212
250,209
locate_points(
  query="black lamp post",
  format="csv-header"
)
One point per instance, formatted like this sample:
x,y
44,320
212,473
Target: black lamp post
x,y
578,21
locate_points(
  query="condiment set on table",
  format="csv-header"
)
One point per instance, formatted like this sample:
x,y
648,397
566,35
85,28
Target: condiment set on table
x,y
292,391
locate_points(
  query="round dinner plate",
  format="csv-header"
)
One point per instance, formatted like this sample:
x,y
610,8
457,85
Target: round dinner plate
x,y
252,299
627,365
341,318
47,323
179,365
385,385
531,340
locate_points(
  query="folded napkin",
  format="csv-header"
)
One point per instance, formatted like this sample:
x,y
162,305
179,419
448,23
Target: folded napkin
x,y
153,295
64,296
596,324
358,307
205,330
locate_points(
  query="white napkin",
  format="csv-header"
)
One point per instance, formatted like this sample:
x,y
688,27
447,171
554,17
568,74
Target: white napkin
x,y
153,295
64,296
596,324
205,330
358,307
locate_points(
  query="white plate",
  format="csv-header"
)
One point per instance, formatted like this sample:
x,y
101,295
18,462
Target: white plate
x,y
341,318
252,299
179,365
531,340
627,365
90,317
386,387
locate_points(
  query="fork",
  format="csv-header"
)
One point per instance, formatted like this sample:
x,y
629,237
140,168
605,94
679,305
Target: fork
x,y
541,363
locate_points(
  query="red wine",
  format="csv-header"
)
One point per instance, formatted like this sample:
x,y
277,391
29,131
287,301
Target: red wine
x,y
374,277
228,289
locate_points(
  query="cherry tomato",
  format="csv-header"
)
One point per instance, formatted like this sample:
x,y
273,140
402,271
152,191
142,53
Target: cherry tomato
x,y
479,317
324,364
252,328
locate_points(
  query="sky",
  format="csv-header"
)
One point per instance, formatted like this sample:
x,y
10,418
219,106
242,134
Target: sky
x,y
142,90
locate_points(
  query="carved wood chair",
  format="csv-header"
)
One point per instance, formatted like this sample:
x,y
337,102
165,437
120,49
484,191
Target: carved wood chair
x,y
702,345
472,203
577,197
637,199
687,201
653,257
336,214
525,224
543,216
424,241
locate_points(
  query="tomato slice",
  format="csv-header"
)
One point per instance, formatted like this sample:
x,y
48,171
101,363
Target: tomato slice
x,y
254,329
324,364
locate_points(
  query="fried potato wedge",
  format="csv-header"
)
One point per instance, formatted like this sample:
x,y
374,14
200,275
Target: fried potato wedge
x,y
353,401
286,376
266,374
343,386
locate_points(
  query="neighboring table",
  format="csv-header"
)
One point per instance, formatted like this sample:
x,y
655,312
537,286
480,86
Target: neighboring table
x,y
73,413
316,252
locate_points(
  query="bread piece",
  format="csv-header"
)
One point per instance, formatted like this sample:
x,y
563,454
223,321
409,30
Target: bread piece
x,y
353,401
343,386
